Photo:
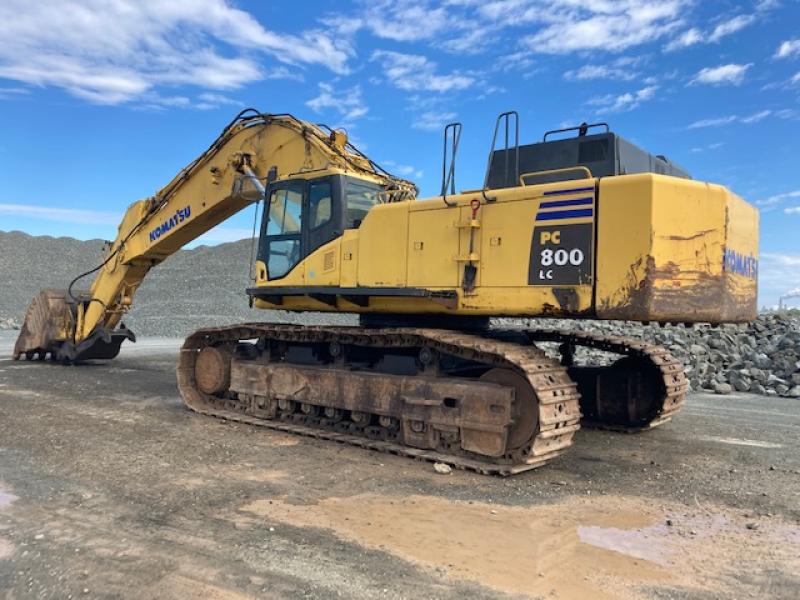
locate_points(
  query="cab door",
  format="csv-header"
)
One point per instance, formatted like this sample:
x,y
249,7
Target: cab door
x,y
281,245
323,214
301,216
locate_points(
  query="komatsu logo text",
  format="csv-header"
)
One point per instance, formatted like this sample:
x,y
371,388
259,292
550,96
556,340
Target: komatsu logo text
x,y
181,215
741,264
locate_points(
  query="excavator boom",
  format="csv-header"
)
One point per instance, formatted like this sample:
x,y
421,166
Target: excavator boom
x,y
252,150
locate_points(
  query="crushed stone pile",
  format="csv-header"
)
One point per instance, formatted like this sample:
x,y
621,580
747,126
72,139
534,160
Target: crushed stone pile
x,y
762,357
198,287
204,286
7,324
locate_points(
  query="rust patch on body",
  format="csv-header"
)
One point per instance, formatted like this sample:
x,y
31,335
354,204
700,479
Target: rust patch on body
x,y
669,293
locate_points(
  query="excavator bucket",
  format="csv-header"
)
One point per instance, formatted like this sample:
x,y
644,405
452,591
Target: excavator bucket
x,y
48,328
46,323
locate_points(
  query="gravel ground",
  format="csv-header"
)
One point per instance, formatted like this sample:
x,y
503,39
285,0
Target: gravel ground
x,y
110,488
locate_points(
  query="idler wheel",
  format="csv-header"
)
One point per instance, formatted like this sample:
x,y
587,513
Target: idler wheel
x,y
212,371
524,410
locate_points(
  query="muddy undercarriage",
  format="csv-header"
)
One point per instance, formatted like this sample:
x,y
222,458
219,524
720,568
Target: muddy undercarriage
x,y
492,402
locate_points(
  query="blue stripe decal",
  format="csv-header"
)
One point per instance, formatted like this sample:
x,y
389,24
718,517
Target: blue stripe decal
x,y
573,191
576,202
564,214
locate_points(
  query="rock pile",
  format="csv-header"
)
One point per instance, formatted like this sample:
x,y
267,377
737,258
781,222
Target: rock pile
x,y
762,357
197,287
6,324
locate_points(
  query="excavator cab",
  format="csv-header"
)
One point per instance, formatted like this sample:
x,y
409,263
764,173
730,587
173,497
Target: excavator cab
x,y
304,214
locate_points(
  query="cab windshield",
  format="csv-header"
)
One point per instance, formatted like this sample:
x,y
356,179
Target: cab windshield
x,y
360,197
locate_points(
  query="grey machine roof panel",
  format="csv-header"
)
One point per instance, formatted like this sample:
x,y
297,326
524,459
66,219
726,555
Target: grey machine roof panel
x,y
604,154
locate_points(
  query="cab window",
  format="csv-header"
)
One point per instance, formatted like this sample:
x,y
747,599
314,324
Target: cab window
x,y
285,211
320,203
283,231
361,196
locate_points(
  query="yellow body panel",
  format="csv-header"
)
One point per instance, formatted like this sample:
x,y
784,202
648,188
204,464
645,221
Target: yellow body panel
x,y
384,228
664,240
662,249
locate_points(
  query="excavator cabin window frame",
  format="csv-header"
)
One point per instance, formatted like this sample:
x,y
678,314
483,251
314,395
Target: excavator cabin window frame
x,y
313,232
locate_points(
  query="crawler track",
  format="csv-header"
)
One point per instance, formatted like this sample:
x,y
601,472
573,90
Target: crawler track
x,y
642,390
649,389
557,412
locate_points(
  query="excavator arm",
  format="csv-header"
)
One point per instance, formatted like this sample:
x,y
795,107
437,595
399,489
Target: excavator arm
x,y
253,150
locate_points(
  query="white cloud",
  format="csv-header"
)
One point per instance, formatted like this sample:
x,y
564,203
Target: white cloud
x,y
282,72
397,20
778,272
776,199
62,215
433,120
620,69
756,117
346,102
723,74
715,122
211,101
730,26
694,36
793,210
7,93
707,148
115,52
782,259
603,25
559,26
404,170
690,37
413,72
787,113
788,48
624,102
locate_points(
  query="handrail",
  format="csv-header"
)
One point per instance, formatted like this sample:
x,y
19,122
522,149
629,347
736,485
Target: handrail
x,y
507,117
555,171
582,129
449,175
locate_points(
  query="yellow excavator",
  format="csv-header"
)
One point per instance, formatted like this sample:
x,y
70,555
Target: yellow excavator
x,y
582,224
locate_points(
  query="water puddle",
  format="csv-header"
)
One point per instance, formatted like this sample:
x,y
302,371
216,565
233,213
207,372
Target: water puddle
x,y
648,543
739,442
604,547
532,551
6,498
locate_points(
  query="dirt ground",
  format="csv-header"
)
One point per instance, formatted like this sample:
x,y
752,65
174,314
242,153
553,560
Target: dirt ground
x,y
109,488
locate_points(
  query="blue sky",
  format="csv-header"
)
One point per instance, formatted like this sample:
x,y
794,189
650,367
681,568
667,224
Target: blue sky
x,y
101,103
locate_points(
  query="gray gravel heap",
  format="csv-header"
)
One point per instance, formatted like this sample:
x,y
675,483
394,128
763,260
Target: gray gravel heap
x,y
6,324
198,287
205,286
762,357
